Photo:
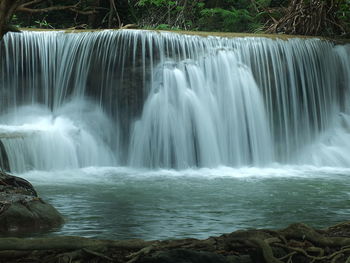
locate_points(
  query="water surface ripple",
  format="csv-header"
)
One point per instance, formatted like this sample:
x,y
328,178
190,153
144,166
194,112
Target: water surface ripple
x,y
123,203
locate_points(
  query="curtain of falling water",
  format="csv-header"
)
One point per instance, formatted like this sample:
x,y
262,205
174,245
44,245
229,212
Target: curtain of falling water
x,y
149,99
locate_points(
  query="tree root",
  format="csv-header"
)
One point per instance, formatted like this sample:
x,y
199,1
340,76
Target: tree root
x,y
135,256
289,256
296,243
69,256
96,254
316,258
266,250
8,254
304,232
313,17
67,242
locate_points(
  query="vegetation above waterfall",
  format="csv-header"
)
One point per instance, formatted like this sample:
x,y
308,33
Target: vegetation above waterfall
x,y
302,17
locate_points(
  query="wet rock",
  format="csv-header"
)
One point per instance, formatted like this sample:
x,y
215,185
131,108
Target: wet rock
x,y
4,161
21,210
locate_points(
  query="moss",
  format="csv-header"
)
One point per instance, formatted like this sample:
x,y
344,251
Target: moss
x,y
341,41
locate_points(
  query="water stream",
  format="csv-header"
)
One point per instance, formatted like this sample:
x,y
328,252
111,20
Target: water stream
x,y
150,135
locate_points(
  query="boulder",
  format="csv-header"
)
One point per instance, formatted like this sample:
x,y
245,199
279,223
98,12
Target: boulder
x,y
22,210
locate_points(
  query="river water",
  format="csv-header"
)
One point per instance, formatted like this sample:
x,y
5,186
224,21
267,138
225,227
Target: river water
x,y
123,203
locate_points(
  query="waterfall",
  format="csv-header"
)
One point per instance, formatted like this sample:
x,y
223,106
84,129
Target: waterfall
x,y
165,100
186,122
35,138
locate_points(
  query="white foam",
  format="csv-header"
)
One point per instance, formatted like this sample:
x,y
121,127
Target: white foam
x,y
108,176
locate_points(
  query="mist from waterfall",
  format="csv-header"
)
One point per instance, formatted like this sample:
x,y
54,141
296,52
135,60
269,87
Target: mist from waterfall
x,y
163,100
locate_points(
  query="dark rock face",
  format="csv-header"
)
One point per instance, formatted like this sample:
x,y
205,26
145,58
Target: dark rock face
x,y
4,161
21,210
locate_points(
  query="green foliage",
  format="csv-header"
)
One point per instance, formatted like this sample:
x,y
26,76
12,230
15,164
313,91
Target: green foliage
x,y
166,27
43,23
239,16
205,15
344,14
214,15
16,21
157,3
168,14
236,20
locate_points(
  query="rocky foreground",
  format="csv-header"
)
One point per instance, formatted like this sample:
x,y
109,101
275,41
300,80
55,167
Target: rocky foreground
x,y
297,243
21,210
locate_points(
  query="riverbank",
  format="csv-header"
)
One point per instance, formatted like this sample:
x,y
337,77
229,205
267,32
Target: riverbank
x,y
296,243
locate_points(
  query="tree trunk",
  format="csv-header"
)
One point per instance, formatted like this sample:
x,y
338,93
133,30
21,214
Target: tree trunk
x,y
93,17
7,8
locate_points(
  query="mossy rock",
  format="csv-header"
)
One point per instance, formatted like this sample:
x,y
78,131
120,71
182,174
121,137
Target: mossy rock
x,y
32,216
21,210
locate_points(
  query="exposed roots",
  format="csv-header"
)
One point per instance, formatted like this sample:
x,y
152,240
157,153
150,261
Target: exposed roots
x,y
298,243
313,18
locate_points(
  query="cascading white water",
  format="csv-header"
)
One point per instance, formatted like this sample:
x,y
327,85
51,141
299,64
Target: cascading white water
x,y
331,148
171,100
199,117
35,138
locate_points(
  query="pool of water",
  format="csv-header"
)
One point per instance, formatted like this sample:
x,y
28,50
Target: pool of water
x,y
123,203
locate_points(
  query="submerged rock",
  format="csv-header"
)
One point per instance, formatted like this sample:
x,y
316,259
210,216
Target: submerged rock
x,y
21,210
